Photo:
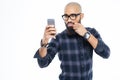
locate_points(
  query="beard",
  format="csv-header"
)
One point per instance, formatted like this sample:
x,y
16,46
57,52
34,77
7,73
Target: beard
x,y
70,29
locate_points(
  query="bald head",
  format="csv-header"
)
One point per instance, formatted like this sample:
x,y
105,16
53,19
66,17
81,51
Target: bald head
x,y
72,7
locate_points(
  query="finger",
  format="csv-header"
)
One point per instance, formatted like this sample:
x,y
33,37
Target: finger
x,y
52,32
50,35
50,29
46,29
51,25
75,27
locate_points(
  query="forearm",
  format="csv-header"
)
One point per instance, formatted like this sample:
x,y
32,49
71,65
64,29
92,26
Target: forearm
x,y
102,49
98,44
43,51
93,41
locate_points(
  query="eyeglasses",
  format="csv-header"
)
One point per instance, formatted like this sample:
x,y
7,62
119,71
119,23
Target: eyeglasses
x,y
71,16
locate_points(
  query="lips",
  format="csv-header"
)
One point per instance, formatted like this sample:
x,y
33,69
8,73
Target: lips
x,y
70,24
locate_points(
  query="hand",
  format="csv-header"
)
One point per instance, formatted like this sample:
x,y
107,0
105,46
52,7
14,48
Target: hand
x,y
79,28
49,32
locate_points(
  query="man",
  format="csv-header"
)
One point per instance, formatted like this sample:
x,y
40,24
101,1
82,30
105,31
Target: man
x,y
74,46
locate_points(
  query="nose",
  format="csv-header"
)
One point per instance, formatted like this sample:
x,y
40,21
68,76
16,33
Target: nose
x,y
69,19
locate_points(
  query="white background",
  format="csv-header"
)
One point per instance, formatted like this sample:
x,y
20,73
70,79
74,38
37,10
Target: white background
x,y
22,23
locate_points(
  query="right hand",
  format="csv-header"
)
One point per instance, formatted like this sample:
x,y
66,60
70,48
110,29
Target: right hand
x,y
49,32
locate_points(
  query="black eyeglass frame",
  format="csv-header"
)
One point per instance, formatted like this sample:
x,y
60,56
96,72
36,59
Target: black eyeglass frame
x,y
70,16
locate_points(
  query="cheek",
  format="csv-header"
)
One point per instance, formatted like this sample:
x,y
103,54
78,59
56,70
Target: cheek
x,y
78,20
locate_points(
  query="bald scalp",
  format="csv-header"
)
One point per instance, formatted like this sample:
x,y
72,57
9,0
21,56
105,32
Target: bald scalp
x,y
76,5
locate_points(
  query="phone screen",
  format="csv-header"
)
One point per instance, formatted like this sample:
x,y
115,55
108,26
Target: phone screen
x,y
51,22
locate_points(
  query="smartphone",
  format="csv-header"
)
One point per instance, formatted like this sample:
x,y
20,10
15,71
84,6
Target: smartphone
x,y
51,22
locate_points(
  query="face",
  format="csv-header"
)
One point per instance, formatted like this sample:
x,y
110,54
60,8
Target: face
x,y
71,16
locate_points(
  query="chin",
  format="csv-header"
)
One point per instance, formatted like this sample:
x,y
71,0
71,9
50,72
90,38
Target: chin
x,y
70,30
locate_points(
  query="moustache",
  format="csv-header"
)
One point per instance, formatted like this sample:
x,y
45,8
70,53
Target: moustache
x,y
70,29
70,23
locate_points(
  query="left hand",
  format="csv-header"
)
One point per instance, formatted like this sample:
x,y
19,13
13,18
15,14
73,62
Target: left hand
x,y
79,28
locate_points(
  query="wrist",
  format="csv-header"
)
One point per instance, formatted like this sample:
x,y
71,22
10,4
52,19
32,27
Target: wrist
x,y
87,35
43,43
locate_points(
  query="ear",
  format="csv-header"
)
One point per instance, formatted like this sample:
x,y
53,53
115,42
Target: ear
x,y
81,15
